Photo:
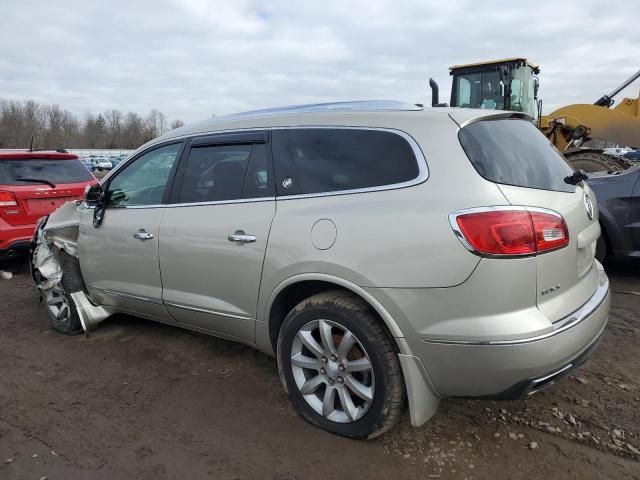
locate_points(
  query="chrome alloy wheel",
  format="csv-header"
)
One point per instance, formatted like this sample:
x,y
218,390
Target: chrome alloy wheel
x,y
58,304
333,371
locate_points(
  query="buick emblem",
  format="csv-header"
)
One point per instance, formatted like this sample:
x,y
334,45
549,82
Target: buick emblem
x,y
588,206
287,182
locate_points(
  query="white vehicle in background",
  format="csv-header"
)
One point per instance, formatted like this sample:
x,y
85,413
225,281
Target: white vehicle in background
x,y
617,151
101,163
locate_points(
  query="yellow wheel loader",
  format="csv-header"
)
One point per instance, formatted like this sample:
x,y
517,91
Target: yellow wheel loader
x,y
512,84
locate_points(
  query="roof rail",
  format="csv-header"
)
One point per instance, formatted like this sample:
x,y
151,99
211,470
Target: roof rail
x,y
358,105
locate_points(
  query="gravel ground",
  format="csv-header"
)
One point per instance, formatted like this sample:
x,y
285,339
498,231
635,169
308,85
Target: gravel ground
x,y
140,400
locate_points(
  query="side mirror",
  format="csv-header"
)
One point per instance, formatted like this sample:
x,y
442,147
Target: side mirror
x,y
536,87
93,195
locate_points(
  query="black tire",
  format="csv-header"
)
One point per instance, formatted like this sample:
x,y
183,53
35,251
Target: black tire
x,y
352,313
597,162
71,282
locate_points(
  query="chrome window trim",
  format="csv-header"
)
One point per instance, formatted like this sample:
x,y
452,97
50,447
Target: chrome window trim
x,y
423,169
136,207
496,208
221,202
129,296
204,310
559,326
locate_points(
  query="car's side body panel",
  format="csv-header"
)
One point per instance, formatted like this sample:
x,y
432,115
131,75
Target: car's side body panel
x,y
209,281
119,270
445,305
619,205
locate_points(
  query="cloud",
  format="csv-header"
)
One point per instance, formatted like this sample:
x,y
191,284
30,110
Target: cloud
x,y
194,58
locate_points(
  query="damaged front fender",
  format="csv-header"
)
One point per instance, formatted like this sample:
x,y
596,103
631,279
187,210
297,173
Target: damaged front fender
x,y
58,231
55,243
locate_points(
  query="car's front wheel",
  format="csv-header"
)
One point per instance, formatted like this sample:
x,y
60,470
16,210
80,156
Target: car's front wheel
x,y
339,366
61,309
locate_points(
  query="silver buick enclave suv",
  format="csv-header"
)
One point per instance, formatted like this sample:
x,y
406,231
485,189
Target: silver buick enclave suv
x,y
383,252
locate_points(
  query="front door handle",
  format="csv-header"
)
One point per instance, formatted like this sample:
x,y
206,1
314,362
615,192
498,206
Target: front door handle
x,y
240,237
142,235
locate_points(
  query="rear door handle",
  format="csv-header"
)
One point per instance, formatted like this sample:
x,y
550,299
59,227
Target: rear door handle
x,y
142,235
240,237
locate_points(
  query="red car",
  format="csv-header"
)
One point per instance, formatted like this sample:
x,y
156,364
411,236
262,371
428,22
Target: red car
x,y
33,184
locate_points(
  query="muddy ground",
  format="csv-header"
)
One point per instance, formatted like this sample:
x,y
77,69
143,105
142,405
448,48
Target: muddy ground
x,y
140,400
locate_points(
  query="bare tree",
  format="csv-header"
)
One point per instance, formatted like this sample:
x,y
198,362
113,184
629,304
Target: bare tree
x,y
176,124
52,127
114,128
134,131
156,123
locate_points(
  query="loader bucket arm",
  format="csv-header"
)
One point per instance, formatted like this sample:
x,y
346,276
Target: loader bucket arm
x,y
604,124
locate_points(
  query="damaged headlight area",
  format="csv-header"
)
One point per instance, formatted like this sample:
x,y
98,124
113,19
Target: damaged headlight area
x,y
54,233
55,268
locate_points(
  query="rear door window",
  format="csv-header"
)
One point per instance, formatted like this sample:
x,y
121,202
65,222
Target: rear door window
x,y
514,152
215,173
321,160
34,171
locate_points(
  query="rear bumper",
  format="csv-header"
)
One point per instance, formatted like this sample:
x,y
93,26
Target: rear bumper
x,y
511,368
14,239
533,385
15,249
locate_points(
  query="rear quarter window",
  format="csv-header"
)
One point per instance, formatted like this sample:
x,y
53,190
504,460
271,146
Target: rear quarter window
x,y
322,160
514,152
25,171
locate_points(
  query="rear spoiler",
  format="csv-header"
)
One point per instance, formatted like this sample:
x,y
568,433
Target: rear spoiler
x,y
493,116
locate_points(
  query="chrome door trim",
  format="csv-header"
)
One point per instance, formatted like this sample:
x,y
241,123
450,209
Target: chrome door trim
x,y
220,202
128,296
205,310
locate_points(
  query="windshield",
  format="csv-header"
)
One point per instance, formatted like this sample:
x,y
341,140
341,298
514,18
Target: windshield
x,y
54,171
522,92
485,90
478,90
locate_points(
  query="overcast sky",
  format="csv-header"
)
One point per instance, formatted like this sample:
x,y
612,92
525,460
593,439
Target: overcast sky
x,y
194,58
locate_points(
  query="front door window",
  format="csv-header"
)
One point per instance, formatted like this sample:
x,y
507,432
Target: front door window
x,y
144,181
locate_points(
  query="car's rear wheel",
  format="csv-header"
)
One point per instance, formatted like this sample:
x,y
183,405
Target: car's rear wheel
x,y
339,366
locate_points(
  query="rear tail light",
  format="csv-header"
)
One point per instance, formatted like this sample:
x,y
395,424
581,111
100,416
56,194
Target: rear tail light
x,y
8,199
551,231
512,231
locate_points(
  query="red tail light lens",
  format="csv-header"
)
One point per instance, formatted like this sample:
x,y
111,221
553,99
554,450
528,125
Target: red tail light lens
x,y
7,199
551,231
512,232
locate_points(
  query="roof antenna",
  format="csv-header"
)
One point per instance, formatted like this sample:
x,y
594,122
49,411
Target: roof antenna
x,y
31,146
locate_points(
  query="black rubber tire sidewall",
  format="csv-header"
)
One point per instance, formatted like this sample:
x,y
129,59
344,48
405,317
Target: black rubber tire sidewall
x,y
601,248
375,417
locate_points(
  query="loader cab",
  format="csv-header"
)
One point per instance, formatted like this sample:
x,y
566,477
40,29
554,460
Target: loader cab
x,y
510,84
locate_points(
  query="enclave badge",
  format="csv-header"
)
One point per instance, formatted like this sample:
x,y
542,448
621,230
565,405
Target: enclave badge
x,y
589,206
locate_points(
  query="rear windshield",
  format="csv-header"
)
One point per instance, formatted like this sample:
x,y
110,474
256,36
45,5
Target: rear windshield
x,y
514,152
54,171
